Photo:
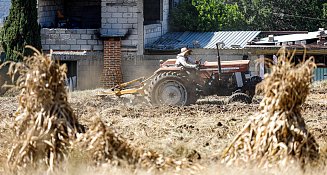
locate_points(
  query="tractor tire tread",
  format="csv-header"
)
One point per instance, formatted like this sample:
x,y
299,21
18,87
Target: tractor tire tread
x,y
240,97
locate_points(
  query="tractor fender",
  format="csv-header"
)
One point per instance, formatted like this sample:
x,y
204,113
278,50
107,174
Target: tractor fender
x,y
167,69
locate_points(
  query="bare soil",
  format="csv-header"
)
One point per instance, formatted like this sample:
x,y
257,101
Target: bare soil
x,y
199,132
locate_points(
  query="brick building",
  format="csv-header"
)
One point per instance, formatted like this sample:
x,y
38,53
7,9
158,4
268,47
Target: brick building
x,y
101,41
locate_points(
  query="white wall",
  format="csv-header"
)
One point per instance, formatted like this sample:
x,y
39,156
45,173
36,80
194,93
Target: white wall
x,y
165,14
47,12
120,17
152,32
4,9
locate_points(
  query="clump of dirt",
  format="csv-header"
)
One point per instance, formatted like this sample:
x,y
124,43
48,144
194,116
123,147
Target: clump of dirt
x,y
319,87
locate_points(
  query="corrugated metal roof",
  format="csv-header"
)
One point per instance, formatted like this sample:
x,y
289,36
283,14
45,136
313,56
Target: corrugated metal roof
x,y
206,40
291,37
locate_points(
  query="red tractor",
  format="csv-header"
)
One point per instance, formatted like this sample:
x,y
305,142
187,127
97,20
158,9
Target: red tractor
x,y
179,86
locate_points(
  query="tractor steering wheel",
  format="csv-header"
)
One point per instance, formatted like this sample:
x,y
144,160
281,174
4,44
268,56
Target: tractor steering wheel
x,y
199,61
198,64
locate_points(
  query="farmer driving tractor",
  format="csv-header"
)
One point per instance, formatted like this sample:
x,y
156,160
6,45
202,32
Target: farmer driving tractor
x,y
182,81
184,59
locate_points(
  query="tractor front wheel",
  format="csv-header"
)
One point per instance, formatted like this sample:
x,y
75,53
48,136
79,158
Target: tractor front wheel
x,y
240,97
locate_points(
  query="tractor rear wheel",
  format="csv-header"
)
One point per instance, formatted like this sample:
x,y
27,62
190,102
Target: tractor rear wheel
x,y
169,88
240,97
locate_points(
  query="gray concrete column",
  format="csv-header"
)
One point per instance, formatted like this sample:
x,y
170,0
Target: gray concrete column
x,y
140,28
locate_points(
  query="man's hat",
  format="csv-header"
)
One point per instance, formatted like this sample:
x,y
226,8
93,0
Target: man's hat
x,y
184,50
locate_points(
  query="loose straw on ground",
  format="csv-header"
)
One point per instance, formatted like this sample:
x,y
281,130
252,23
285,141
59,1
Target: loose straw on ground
x,y
277,135
105,146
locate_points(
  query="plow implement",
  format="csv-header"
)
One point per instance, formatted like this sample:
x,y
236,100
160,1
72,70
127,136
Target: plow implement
x,y
134,87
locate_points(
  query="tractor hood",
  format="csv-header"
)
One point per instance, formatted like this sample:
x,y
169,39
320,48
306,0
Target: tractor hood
x,y
228,66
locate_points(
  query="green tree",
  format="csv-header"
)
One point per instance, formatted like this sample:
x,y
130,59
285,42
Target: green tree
x,y
282,15
324,15
207,15
184,17
257,14
214,15
218,15
20,29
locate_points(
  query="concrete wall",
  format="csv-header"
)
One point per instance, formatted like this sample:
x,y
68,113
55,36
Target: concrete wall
x,y
165,15
71,39
4,10
89,68
69,44
135,65
121,17
47,10
117,16
152,32
89,71
125,17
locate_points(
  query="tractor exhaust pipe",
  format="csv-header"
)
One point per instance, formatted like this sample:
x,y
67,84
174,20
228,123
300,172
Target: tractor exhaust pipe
x,y
218,57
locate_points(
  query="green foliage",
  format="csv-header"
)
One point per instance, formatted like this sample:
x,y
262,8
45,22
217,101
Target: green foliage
x,y
324,15
207,15
20,29
184,17
215,15
283,15
218,15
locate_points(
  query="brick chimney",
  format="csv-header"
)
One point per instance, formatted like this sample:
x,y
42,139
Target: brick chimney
x,y
112,73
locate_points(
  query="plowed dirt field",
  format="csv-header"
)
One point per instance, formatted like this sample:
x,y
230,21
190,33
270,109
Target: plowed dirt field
x,y
199,132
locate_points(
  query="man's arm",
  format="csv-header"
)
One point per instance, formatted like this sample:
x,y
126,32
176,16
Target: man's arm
x,y
190,60
185,64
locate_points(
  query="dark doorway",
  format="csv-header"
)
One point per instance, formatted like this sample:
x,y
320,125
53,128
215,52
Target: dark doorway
x,y
71,81
82,14
152,11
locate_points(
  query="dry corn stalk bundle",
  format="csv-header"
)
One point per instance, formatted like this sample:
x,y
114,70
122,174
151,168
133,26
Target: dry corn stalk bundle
x,y
105,146
278,134
44,120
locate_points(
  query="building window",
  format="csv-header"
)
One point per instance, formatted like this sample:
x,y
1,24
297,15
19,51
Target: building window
x,y
152,11
75,14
